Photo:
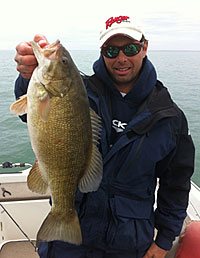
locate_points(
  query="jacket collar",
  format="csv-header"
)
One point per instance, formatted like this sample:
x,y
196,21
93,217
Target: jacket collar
x,y
146,80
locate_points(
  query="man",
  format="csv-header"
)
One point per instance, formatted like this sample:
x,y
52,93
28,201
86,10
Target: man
x,y
144,138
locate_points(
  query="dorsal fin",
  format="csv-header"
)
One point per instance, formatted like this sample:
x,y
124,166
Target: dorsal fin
x,y
93,173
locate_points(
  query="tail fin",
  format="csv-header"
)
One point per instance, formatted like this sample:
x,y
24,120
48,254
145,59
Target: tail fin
x,y
57,227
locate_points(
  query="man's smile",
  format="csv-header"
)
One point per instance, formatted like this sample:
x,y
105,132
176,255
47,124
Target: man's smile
x,y
122,71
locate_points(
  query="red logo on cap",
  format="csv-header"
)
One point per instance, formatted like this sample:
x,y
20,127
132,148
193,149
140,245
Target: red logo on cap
x,y
119,19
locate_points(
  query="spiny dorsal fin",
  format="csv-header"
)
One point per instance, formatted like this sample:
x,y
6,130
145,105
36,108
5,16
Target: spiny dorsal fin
x,y
93,174
96,126
19,107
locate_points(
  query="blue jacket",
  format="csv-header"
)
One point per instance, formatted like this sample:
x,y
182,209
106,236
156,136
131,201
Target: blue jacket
x,y
144,138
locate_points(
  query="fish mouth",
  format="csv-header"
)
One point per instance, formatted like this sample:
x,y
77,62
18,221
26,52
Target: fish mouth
x,y
51,51
50,76
54,45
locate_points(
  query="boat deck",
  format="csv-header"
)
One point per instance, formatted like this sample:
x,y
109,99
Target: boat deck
x,y
22,249
19,205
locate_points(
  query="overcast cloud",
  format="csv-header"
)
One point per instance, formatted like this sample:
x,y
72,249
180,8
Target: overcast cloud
x,y
171,25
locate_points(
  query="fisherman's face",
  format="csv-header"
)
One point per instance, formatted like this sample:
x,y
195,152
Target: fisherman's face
x,y
124,69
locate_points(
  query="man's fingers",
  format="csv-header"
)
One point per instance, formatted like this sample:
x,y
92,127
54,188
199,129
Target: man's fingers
x,y
26,71
41,40
28,60
24,48
25,58
39,37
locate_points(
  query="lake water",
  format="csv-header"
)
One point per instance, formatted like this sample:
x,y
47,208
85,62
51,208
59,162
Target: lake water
x,y
178,70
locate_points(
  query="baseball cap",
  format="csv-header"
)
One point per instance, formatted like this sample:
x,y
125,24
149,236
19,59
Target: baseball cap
x,y
121,25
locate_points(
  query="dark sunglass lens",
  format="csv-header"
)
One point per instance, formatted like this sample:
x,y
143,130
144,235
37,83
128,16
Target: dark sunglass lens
x,y
112,52
132,49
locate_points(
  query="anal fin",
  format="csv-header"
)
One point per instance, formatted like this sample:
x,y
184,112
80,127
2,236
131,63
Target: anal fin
x,y
35,180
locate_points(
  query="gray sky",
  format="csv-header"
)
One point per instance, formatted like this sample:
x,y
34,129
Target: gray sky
x,y
169,24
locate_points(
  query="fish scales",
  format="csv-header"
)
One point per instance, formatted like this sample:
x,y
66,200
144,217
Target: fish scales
x,y
64,134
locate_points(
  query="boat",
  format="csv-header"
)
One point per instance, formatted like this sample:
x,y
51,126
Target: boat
x,y
22,213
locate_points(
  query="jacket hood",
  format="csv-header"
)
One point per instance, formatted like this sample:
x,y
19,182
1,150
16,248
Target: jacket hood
x,y
146,80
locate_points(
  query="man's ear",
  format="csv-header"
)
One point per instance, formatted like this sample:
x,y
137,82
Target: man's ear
x,y
145,48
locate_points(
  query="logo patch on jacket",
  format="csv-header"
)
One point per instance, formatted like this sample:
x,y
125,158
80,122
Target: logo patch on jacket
x,y
118,126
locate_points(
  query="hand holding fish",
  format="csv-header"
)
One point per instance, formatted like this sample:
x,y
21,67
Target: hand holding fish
x,y
25,58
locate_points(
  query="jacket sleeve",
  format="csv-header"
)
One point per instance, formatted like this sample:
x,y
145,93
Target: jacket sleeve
x,y
21,86
174,173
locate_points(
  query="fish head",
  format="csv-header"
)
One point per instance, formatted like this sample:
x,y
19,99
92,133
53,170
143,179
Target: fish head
x,y
54,68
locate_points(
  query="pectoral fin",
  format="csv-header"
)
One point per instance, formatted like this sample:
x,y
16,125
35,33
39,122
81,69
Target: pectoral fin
x,y
43,102
19,107
44,108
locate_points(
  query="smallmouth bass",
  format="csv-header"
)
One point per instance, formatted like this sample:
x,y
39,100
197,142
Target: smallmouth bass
x,y
64,133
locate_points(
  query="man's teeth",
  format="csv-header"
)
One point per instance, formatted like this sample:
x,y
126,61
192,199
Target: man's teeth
x,y
122,69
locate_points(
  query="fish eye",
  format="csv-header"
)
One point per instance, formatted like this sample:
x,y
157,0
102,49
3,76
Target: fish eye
x,y
65,60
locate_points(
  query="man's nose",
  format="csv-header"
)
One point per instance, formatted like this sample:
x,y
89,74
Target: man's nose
x,y
121,57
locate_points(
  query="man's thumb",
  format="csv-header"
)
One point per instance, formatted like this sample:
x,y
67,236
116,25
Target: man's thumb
x,y
41,40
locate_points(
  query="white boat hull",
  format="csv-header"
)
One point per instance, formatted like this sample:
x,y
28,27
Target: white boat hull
x,y
28,210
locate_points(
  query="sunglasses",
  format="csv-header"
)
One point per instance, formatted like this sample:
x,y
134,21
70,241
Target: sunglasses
x,y
129,50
